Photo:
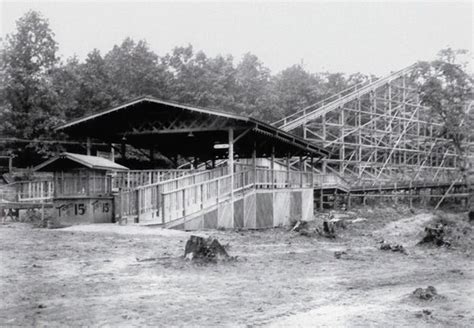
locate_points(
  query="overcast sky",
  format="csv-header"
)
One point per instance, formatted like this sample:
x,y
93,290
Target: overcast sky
x,y
369,37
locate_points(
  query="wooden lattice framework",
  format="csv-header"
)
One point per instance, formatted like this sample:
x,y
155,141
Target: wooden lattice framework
x,y
379,133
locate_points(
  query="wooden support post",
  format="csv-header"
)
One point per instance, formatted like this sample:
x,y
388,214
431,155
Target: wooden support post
x,y
411,195
288,171
311,171
217,191
55,184
321,198
87,187
112,153
301,171
184,202
117,210
88,146
231,172
138,205
42,211
163,208
272,167
123,149
254,165
202,196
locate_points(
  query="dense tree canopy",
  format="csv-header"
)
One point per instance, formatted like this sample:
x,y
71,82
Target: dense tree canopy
x,y
39,90
29,101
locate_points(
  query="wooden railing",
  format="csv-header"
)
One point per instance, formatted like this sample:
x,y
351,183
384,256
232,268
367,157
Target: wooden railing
x,y
135,178
28,191
191,179
148,198
162,203
191,199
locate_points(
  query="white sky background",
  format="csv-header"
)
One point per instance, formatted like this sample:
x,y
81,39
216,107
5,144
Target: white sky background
x,y
368,37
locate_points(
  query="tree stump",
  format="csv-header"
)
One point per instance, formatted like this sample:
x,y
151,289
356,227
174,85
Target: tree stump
x,y
205,249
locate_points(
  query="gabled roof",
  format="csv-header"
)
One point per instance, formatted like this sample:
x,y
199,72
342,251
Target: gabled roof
x,y
147,122
156,101
92,162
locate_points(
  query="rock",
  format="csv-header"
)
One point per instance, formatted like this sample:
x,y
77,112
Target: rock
x,y
338,254
394,248
427,312
427,293
385,247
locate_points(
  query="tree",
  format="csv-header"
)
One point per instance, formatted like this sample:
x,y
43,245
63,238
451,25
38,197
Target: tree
x,y
447,89
200,80
135,70
295,89
94,88
66,82
30,109
253,89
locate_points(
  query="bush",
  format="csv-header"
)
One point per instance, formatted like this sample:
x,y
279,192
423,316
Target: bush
x,y
450,230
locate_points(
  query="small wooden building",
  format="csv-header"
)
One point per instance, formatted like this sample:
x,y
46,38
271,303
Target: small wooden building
x,y
80,175
82,187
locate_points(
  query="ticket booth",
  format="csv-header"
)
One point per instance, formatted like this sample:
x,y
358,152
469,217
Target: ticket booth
x,y
82,187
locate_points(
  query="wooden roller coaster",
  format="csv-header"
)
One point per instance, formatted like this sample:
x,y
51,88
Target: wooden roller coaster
x,y
381,137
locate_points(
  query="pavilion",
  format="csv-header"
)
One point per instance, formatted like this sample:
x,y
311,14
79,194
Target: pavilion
x,y
176,130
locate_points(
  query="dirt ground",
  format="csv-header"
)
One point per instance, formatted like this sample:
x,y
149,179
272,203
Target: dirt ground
x,y
94,276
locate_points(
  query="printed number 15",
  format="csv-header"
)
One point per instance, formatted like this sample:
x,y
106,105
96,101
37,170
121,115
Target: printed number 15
x,y
79,209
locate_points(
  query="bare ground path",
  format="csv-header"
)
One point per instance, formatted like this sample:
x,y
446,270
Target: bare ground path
x,y
89,275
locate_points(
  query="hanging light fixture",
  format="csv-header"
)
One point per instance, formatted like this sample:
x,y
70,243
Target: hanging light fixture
x,y
221,146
